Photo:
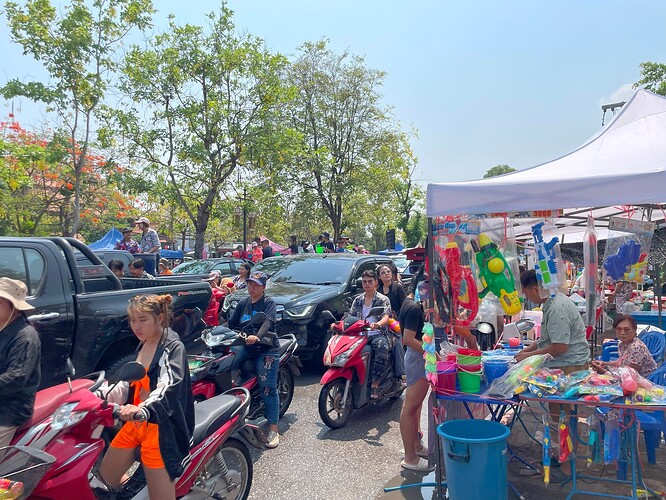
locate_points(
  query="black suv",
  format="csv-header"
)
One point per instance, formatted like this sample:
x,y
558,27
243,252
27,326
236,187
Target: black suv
x,y
303,286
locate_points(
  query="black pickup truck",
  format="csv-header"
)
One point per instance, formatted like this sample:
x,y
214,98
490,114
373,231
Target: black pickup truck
x,y
303,286
81,307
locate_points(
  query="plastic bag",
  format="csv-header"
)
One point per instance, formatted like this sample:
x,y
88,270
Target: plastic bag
x,y
512,381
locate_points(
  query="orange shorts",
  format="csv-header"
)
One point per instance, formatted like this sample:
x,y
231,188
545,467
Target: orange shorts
x,y
142,434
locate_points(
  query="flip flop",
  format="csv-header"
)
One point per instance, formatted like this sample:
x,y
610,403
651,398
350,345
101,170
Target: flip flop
x,y
374,393
423,452
420,466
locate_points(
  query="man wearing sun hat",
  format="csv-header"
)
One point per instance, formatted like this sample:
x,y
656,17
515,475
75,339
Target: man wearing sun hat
x,y
20,357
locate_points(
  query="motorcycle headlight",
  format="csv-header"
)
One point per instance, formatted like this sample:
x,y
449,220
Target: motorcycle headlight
x,y
300,312
65,416
341,359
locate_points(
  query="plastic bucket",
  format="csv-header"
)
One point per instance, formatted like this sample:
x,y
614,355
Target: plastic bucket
x,y
470,382
446,366
466,359
495,368
452,356
474,450
446,382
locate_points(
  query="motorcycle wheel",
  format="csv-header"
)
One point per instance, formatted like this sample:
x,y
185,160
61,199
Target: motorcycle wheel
x,y
330,398
236,483
285,387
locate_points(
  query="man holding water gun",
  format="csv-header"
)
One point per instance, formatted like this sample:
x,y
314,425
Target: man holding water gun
x,y
562,328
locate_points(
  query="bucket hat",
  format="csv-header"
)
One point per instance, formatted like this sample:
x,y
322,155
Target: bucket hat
x,y
15,292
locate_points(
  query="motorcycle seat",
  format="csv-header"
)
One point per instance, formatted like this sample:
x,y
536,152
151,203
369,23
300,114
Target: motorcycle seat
x,y
209,415
48,400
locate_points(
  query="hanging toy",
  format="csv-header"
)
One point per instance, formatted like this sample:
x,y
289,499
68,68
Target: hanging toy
x,y
547,264
566,444
591,277
463,287
429,353
496,275
546,451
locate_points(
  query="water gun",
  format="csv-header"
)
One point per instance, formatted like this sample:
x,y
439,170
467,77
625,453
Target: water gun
x,y
10,490
546,267
593,439
591,277
394,325
566,444
546,451
611,438
495,274
463,286
627,261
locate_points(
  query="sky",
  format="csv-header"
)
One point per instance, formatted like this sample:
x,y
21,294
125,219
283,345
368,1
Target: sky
x,y
482,82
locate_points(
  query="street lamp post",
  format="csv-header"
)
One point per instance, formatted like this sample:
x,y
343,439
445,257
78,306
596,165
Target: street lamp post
x,y
238,211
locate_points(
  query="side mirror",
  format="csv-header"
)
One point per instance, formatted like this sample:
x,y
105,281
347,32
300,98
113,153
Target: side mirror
x,y
258,318
358,283
375,311
131,372
327,315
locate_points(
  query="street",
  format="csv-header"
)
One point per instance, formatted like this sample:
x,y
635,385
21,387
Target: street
x,y
315,462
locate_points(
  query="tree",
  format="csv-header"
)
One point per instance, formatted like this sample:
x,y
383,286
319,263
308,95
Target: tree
x,y
77,49
654,77
210,98
36,183
340,120
498,170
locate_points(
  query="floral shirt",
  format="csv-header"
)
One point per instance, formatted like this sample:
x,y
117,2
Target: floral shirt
x,y
636,353
150,239
131,246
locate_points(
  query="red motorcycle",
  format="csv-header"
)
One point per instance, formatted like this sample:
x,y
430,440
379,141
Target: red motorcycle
x,y
211,374
346,383
217,467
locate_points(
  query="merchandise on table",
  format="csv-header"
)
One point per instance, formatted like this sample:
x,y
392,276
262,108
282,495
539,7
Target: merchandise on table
x,y
9,490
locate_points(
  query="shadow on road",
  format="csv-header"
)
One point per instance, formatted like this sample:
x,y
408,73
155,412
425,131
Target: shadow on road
x,y
367,424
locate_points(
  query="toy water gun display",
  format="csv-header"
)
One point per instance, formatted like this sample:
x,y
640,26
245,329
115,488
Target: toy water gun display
x,y
566,443
429,353
9,490
512,382
547,261
463,286
591,277
593,444
546,451
628,263
612,438
495,275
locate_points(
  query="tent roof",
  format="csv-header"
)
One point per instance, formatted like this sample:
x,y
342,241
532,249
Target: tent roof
x,y
623,164
108,241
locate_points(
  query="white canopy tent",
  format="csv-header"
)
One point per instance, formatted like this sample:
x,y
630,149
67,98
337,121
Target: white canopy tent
x,y
623,164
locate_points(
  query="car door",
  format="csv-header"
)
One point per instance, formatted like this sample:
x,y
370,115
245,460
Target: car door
x,y
353,286
225,268
48,292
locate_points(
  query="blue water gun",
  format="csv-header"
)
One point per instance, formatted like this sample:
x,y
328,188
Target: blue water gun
x,y
628,257
546,267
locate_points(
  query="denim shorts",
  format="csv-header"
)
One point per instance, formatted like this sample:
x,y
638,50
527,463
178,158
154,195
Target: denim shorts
x,y
414,366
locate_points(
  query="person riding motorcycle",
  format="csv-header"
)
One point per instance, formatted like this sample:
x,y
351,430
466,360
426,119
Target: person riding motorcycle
x,y
379,340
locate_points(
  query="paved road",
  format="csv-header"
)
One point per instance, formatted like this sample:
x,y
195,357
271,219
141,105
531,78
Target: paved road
x,y
315,462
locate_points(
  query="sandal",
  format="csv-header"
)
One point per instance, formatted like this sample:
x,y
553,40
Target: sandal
x,y
420,466
374,393
423,452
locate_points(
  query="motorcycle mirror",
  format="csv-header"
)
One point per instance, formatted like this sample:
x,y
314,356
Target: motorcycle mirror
x,y
327,315
375,311
131,372
358,283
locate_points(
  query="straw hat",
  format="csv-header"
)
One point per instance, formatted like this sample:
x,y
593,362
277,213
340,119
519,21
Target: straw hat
x,y
15,292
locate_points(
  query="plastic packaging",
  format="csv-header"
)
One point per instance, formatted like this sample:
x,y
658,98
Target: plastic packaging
x,y
591,276
429,353
612,437
627,248
593,440
512,381
566,443
549,264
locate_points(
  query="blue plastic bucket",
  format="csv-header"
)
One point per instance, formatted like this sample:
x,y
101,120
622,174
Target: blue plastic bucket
x,y
475,459
494,368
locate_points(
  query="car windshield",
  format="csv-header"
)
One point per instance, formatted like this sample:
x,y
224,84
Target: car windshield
x,y
401,263
195,267
305,270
